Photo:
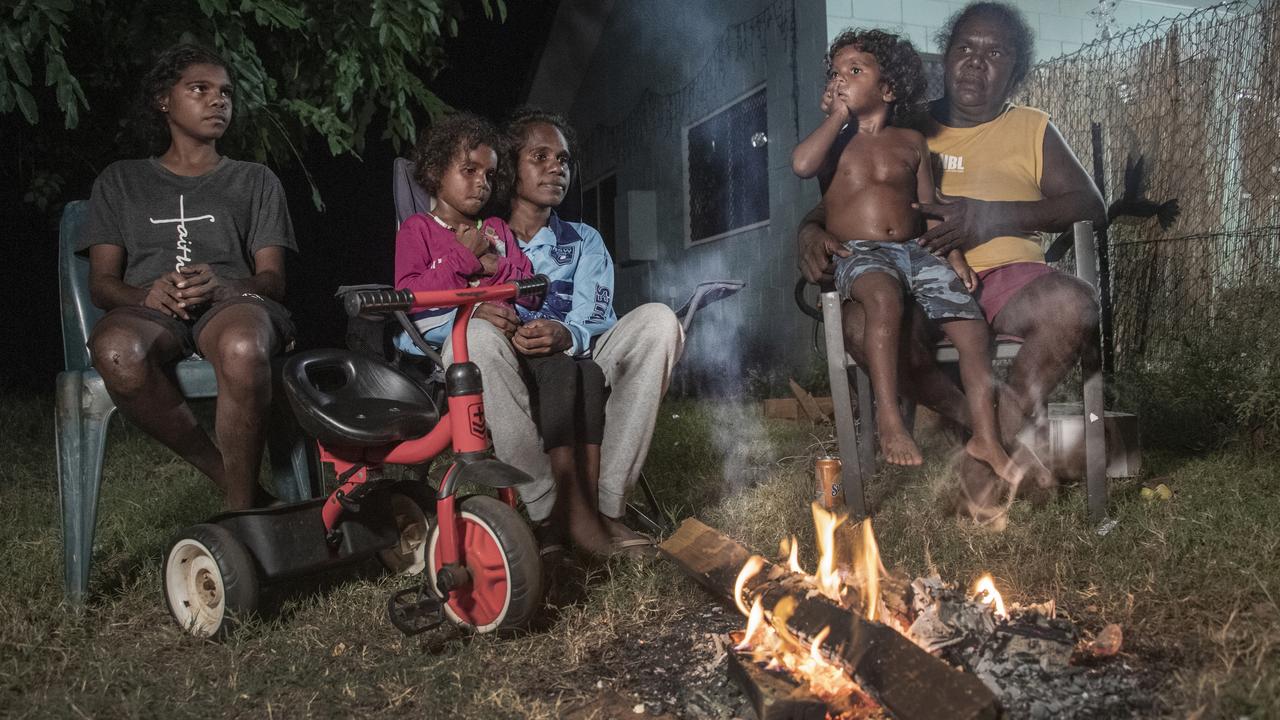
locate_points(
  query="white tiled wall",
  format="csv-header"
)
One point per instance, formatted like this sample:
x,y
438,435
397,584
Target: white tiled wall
x,y
1061,26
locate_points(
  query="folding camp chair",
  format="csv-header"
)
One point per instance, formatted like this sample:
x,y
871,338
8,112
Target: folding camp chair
x,y
856,435
411,199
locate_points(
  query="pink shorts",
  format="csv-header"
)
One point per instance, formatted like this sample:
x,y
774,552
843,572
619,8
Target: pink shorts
x,y
997,286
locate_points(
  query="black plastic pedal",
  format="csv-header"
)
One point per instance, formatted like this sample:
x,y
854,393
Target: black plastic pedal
x,y
414,612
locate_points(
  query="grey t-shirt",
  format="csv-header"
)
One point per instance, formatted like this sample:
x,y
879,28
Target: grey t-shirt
x,y
165,221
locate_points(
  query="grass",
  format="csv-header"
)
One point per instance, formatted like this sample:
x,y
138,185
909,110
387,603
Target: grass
x,y
1194,582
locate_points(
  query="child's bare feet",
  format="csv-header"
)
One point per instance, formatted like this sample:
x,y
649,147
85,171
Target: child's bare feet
x,y
991,453
898,448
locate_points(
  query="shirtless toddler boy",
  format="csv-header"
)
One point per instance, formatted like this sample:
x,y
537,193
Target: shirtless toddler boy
x,y
871,173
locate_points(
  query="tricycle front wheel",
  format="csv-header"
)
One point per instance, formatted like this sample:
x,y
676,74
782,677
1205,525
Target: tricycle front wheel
x,y
501,555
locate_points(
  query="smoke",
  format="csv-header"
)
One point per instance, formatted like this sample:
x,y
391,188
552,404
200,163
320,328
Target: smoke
x,y
744,448
713,366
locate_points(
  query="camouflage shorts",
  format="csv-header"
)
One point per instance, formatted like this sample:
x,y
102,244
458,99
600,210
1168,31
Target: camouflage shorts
x,y
926,277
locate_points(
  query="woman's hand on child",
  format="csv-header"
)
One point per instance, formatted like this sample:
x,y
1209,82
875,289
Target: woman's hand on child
x,y
817,250
966,224
967,275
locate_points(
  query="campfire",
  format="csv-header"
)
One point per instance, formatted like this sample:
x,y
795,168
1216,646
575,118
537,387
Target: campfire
x,y
851,640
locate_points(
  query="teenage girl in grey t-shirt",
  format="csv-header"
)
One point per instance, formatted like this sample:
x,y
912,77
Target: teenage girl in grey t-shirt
x,y
186,255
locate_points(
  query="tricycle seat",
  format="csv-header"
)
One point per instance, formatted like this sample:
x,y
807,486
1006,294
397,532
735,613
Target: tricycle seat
x,y
344,398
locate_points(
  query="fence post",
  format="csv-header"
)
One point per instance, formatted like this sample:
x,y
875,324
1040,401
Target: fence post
x,y
1104,255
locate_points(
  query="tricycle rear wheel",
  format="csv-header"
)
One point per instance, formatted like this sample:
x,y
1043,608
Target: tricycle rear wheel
x,y
210,580
412,506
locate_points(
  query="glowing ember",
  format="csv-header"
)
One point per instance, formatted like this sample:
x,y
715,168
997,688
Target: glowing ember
x,y
984,591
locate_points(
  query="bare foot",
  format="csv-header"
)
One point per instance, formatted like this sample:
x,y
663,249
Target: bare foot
x,y
626,540
591,540
990,452
1038,484
980,494
898,448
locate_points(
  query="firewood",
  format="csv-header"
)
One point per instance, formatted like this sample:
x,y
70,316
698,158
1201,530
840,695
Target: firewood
x,y
807,403
773,697
909,682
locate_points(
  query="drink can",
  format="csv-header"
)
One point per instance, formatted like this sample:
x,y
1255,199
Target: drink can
x,y
828,489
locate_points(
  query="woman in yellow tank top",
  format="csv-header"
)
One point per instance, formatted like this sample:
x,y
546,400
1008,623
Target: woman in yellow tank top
x,y
1005,173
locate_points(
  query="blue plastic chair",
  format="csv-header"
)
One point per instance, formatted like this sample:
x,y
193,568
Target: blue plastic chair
x,y
83,412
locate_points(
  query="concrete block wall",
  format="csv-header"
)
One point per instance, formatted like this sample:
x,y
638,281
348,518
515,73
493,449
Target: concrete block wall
x,y
1061,26
630,113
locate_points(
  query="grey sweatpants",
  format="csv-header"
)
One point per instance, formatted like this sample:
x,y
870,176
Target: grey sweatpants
x,y
637,356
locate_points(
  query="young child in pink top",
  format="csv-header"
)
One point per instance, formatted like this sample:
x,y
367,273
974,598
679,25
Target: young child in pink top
x,y
450,247
455,162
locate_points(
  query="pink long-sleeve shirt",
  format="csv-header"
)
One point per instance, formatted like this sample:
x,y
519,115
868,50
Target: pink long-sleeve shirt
x,y
429,256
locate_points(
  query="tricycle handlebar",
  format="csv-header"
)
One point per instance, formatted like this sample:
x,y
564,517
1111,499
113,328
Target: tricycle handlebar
x,y
382,301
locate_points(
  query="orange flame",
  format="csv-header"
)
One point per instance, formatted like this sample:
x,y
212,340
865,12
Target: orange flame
x,y
829,583
815,650
985,592
755,624
768,639
750,568
789,548
781,614
870,568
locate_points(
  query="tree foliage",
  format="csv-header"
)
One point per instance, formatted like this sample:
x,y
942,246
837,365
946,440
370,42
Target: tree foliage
x,y
303,69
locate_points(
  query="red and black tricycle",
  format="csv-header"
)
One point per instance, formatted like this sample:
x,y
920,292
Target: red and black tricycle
x,y
481,563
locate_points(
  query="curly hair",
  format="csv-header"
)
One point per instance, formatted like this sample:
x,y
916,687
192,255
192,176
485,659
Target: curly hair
x,y
517,132
161,78
439,144
1011,19
900,67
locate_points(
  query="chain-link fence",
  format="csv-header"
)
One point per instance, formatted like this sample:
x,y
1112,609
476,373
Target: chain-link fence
x,y
1185,110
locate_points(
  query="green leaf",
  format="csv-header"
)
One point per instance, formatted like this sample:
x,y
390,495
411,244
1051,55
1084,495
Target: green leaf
x,y
18,61
26,103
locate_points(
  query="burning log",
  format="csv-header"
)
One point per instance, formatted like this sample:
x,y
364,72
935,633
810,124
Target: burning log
x,y
773,697
908,681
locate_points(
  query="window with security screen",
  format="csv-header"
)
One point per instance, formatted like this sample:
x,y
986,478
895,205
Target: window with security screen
x,y
598,209
727,170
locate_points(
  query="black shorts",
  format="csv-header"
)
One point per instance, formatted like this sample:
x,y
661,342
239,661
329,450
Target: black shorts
x,y
568,397
187,332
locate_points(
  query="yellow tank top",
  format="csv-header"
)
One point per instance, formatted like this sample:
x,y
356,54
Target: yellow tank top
x,y
998,160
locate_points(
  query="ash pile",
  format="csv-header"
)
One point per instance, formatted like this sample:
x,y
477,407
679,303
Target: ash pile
x,y
1030,656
